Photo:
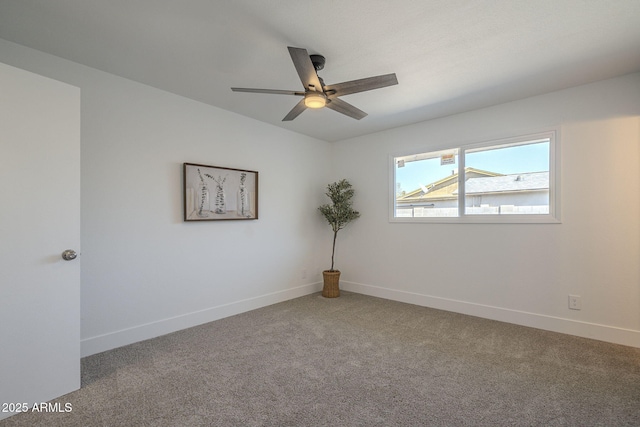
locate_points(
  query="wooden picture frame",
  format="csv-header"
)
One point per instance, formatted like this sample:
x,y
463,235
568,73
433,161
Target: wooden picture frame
x,y
215,193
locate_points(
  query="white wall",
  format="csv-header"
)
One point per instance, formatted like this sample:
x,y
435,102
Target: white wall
x,y
520,273
145,272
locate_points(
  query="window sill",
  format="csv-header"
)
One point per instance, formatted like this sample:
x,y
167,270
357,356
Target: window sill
x,y
478,219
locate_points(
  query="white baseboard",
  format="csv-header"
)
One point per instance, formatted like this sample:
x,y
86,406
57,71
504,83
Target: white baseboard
x,y
127,336
146,331
595,331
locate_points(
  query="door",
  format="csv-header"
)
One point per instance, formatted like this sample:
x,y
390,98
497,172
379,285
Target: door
x,y
39,219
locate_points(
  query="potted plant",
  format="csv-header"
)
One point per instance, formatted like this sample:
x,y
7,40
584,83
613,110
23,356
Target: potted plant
x,y
338,214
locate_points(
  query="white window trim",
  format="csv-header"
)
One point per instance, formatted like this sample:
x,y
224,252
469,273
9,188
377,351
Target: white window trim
x,y
553,217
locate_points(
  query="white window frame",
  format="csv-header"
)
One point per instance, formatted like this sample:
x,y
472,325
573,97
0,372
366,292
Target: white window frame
x,y
553,217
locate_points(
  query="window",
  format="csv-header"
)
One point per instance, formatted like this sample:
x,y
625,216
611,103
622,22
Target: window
x,y
508,180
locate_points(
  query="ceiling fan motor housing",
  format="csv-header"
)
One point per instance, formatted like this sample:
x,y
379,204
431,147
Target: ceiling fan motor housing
x,y
317,61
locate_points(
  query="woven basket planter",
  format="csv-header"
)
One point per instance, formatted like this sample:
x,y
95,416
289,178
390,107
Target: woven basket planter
x,y
331,287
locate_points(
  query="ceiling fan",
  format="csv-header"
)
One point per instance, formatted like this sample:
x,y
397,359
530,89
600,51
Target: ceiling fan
x,y
316,94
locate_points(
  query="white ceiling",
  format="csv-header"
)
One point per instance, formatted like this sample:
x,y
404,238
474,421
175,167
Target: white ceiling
x,y
449,56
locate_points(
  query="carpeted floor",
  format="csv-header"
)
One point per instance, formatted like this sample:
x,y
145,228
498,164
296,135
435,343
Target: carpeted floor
x,y
355,361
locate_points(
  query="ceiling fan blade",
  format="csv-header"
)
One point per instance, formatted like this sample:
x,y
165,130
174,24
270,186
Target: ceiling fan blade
x,y
295,111
361,85
271,91
345,108
305,68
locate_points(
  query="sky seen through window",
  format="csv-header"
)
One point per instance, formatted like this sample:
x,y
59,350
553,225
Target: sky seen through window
x,y
505,160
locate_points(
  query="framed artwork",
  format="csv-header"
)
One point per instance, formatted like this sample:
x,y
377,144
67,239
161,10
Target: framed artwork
x,y
214,193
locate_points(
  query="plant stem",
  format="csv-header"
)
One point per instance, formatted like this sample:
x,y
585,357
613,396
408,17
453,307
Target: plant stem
x,y
333,251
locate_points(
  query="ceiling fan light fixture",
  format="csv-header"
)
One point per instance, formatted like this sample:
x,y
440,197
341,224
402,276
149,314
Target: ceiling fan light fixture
x,y
315,100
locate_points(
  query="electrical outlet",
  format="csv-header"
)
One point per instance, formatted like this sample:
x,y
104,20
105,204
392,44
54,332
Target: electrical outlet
x,y
574,302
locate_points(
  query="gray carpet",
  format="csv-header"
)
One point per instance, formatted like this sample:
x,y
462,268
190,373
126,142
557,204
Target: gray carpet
x,y
355,361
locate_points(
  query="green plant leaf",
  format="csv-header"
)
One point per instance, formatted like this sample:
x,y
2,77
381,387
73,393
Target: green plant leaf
x,y
340,211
